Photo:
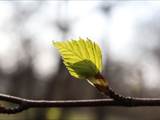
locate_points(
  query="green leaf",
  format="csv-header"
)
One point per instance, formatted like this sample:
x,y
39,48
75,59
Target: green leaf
x,y
81,57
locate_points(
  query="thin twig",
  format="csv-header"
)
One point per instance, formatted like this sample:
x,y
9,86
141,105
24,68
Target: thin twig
x,y
24,104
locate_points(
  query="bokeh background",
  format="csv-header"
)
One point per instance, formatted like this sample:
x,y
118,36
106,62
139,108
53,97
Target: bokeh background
x,y
127,31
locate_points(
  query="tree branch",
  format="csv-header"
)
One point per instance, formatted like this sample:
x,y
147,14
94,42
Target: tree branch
x,y
24,104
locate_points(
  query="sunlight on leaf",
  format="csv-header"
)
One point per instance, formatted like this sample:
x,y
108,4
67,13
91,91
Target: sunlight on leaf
x,y
82,58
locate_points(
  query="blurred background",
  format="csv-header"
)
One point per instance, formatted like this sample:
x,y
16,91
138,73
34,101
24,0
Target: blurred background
x,y
127,31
